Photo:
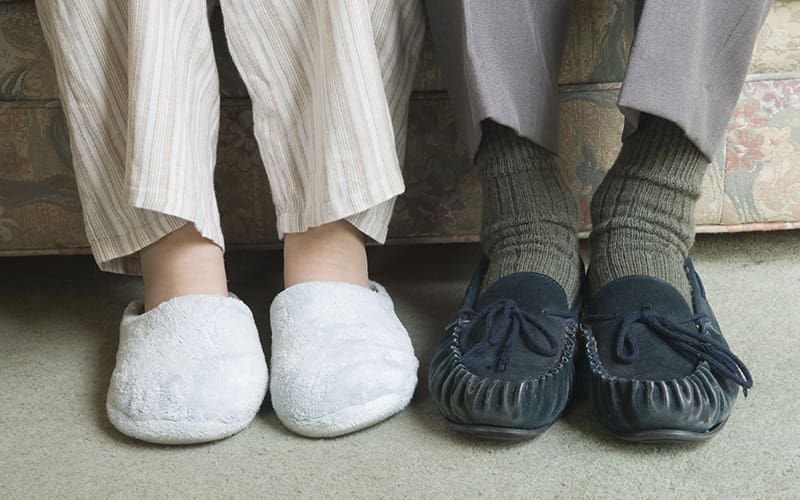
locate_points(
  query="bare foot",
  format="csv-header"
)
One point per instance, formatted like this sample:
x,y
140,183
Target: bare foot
x,y
182,263
331,252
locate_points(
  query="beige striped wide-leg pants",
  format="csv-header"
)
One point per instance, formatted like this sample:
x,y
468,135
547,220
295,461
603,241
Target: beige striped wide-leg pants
x,y
329,79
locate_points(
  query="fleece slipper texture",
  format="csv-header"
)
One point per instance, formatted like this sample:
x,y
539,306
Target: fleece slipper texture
x,y
341,359
191,370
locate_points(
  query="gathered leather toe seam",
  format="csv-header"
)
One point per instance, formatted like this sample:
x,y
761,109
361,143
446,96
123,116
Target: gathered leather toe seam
x,y
564,361
599,370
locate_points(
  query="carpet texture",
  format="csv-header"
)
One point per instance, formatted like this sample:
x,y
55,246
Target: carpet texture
x,y
59,321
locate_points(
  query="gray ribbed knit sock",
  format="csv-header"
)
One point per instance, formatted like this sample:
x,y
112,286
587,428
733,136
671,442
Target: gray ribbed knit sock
x,y
643,211
530,218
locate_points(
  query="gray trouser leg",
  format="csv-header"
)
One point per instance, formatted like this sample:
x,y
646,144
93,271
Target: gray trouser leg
x,y
688,64
500,60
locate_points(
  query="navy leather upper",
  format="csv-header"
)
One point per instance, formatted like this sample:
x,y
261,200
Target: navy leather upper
x,y
656,362
507,357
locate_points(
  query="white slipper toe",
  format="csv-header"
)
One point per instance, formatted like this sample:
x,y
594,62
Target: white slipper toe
x,y
341,359
191,370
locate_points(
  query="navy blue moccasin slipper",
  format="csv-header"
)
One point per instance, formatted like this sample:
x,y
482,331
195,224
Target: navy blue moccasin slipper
x,y
656,368
505,366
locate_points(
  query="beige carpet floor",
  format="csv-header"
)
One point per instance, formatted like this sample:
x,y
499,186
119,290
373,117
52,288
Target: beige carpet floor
x,y
58,336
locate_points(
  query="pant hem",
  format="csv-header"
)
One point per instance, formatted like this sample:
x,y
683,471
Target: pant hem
x,y
371,218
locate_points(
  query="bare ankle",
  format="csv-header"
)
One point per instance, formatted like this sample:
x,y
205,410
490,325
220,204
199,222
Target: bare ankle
x,y
182,263
331,252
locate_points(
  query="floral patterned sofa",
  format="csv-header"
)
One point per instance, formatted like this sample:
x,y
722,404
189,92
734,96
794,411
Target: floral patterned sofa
x,y
754,183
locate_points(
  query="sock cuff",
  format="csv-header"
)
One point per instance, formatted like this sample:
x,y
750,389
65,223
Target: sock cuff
x,y
661,148
502,151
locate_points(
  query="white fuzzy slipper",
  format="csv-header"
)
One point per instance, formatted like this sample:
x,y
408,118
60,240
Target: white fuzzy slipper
x,y
341,359
190,370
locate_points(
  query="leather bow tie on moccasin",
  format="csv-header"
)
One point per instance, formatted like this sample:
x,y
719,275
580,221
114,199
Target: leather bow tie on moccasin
x,y
505,367
656,368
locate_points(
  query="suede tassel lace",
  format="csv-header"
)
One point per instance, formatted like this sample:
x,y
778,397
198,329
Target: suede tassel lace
x,y
695,342
506,323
